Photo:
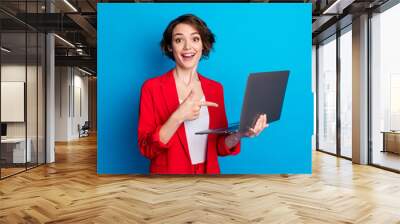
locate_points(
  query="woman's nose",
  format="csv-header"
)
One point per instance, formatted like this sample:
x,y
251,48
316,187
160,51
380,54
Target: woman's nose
x,y
186,46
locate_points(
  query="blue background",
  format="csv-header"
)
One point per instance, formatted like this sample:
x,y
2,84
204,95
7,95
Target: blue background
x,y
253,37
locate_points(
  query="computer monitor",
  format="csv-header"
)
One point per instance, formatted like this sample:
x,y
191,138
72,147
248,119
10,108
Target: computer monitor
x,y
3,129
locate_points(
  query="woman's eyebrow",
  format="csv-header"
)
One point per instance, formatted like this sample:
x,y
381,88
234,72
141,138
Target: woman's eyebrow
x,y
194,33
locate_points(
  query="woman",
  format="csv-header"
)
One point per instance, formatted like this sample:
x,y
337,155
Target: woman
x,y
179,103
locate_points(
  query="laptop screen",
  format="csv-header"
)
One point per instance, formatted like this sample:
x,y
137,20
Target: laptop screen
x,y
265,93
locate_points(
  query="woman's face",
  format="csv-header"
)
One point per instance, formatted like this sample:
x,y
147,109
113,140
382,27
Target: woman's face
x,y
187,46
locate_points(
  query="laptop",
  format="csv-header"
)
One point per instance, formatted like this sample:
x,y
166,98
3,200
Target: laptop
x,y
265,92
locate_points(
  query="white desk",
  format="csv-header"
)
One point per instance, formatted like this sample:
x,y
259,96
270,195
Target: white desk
x,y
18,150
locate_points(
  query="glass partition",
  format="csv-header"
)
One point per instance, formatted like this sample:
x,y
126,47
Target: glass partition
x,y
327,95
22,77
13,108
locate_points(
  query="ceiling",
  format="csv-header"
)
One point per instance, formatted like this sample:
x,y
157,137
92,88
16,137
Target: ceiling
x,y
72,20
76,22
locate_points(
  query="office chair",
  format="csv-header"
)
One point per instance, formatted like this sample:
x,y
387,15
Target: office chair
x,y
84,130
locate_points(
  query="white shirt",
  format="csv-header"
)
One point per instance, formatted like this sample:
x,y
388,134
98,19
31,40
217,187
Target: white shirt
x,y
197,143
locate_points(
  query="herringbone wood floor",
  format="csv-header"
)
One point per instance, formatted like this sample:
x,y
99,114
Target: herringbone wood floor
x,y
70,191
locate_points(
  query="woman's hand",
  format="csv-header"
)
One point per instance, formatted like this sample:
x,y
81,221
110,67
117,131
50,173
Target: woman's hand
x,y
260,125
189,109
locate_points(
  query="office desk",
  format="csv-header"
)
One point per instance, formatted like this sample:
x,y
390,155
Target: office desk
x,y
13,150
391,141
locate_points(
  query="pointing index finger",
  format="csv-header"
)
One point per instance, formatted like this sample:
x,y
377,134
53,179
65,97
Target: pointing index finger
x,y
208,104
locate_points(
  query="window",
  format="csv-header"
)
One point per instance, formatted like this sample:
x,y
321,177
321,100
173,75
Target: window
x,y
346,92
385,88
327,95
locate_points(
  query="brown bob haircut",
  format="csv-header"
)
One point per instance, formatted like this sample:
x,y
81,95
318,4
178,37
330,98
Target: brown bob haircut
x,y
207,37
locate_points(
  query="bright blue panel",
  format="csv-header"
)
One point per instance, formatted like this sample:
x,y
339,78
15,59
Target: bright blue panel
x,y
249,38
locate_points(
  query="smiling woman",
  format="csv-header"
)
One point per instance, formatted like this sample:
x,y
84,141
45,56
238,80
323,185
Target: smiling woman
x,y
181,102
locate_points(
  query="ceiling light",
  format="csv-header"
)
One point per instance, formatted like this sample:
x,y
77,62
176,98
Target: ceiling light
x,y
84,71
65,41
70,5
5,50
337,7
79,51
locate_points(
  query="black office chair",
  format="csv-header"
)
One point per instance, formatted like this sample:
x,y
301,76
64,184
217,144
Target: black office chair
x,y
84,130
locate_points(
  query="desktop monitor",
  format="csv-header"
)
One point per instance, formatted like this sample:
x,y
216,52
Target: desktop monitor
x,y
3,129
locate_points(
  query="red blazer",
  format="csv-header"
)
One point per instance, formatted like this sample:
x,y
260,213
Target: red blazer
x,y
158,100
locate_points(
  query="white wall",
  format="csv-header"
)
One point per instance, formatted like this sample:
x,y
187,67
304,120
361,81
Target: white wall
x,y
79,117
62,81
13,101
12,73
71,93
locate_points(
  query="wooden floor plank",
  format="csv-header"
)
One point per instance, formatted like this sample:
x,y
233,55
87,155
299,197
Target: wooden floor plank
x,y
70,191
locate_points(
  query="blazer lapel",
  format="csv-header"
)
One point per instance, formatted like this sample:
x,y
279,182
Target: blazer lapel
x,y
172,102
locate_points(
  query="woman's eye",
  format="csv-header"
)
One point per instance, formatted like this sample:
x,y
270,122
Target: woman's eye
x,y
196,39
178,40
